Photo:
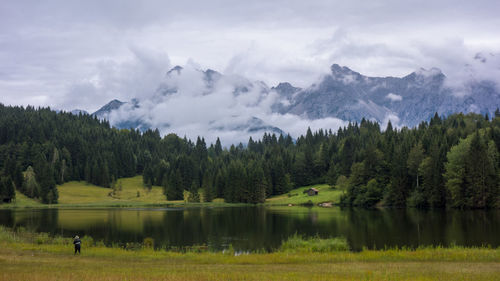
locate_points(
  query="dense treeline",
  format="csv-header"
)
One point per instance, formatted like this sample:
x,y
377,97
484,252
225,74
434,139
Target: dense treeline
x,y
450,161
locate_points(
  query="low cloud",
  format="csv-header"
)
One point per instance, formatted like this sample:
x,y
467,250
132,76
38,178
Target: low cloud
x,y
135,77
479,67
227,106
394,97
393,118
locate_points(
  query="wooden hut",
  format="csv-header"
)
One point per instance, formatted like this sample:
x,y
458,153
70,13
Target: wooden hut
x,y
311,191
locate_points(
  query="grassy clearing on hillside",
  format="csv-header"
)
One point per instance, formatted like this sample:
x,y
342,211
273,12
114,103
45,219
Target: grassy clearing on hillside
x,y
83,194
298,197
132,190
129,192
23,201
32,256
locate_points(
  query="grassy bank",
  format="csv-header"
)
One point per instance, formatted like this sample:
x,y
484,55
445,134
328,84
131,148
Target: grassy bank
x,y
25,256
298,197
130,192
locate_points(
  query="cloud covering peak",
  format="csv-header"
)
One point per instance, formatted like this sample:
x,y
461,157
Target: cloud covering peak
x,y
193,102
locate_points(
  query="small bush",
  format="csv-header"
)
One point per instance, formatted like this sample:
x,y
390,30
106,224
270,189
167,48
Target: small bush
x,y
61,240
87,241
229,251
148,242
99,243
42,238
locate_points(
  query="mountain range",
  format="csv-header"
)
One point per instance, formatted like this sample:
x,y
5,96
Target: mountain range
x,y
348,95
343,93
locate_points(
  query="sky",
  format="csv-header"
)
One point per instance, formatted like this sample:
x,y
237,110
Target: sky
x,y
81,54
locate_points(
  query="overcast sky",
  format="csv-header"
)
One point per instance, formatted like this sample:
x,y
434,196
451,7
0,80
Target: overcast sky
x,y
58,53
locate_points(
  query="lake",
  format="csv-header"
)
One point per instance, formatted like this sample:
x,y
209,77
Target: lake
x,y
253,228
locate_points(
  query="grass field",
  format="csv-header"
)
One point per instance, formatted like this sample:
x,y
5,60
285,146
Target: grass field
x,y
298,197
39,257
132,191
83,194
23,201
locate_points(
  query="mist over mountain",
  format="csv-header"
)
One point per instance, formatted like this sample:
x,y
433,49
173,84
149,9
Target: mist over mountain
x,y
193,102
206,103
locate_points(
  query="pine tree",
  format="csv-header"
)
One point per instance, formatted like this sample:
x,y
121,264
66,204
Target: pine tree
x,y
173,188
398,189
236,190
480,174
256,183
148,176
220,183
7,191
208,187
218,147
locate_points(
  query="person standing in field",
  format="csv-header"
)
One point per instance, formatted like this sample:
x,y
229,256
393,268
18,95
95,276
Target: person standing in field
x,y
77,242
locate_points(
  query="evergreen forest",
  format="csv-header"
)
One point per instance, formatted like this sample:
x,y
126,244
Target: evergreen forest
x,y
449,161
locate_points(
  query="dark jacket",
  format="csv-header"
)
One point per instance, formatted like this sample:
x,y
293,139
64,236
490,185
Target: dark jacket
x,y
77,242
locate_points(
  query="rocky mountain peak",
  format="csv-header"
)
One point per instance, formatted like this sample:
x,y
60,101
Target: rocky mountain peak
x,y
176,69
211,75
345,74
338,70
425,76
107,108
285,89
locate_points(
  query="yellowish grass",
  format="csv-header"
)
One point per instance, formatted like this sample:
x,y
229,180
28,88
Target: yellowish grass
x,y
82,192
36,256
130,192
134,193
132,186
75,192
21,261
23,201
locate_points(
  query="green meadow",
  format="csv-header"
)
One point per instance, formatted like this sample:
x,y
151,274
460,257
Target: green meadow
x,y
131,192
326,194
127,191
37,256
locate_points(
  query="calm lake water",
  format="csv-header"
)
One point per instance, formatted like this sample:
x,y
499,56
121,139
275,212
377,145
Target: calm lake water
x,y
251,228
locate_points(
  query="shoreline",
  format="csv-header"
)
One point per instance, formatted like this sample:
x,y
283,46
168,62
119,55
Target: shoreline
x,y
54,260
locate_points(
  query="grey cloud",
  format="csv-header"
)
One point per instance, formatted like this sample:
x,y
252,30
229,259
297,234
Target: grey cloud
x,y
136,77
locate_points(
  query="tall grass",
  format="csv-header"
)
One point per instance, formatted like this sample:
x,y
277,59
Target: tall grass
x,y
297,243
25,255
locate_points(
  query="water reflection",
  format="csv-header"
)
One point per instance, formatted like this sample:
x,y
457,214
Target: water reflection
x,y
251,228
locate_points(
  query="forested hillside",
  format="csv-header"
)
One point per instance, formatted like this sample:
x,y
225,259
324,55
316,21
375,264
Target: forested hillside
x,y
449,161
